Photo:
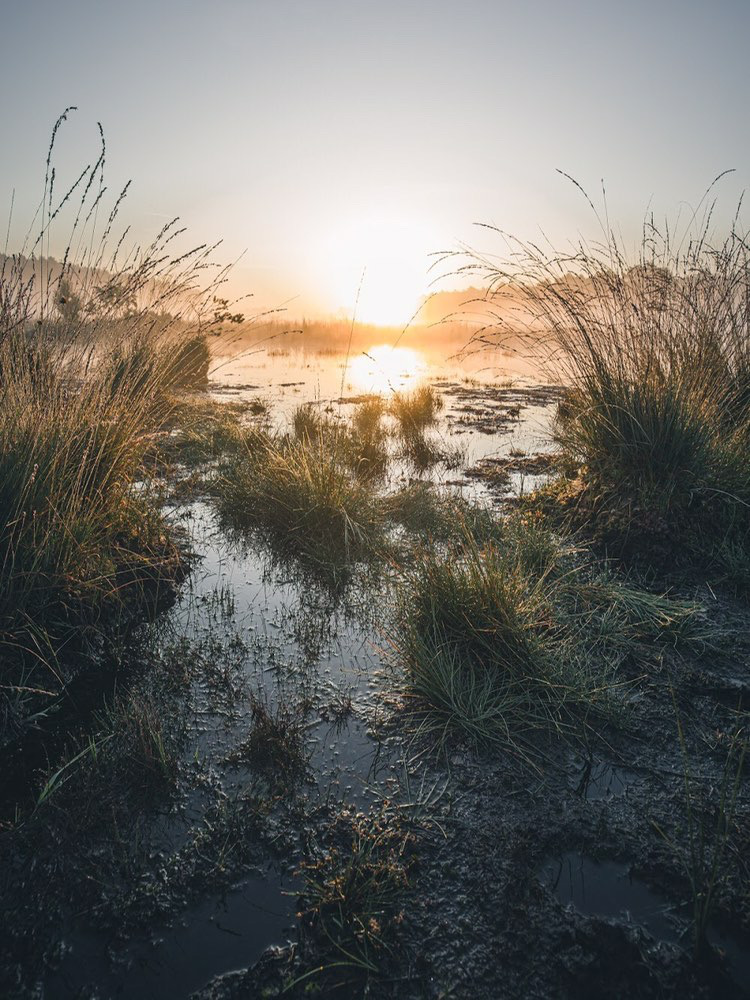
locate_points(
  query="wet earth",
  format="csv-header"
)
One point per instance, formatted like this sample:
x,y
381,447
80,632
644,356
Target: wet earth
x,y
161,852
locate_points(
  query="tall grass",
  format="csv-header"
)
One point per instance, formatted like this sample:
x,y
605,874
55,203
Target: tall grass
x,y
414,411
92,347
655,349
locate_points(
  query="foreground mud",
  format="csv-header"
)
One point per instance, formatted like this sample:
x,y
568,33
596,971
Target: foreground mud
x,y
250,810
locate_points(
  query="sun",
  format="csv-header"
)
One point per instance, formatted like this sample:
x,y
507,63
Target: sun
x,y
378,267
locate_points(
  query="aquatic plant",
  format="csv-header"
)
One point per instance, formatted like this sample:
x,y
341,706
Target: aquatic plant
x,y
429,514
276,746
351,898
367,438
470,634
199,430
414,411
307,422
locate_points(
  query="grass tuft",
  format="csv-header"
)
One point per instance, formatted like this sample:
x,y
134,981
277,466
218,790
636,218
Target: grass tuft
x,y
655,350
304,497
275,746
509,641
351,900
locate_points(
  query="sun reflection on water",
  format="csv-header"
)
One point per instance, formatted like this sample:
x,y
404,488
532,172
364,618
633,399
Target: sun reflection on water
x,y
385,369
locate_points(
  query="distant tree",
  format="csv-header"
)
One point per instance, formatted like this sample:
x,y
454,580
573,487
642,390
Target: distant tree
x,y
114,296
68,302
223,314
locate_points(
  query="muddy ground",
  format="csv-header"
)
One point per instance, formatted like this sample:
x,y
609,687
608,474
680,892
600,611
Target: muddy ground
x,y
165,837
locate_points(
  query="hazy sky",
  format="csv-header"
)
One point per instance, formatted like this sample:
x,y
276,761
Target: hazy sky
x,y
323,137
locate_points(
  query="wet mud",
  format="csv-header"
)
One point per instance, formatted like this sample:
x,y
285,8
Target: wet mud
x,y
258,748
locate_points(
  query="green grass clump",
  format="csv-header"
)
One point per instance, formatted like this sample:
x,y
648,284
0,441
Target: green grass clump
x,y
367,419
361,443
304,497
80,536
471,634
308,423
150,368
190,362
200,430
414,411
521,636
663,476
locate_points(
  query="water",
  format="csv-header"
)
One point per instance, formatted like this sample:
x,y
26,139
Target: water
x,y
214,936
608,889
266,629
493,404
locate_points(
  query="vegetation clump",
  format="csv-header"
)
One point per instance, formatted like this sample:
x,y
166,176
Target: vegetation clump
x,y
656,422
199,430
431,516
78,539
351,900
303,495
275,746
367,438
518,636
414,411
91,354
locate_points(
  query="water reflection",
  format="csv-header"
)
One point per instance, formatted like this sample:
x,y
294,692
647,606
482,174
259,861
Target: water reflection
x,y
385,369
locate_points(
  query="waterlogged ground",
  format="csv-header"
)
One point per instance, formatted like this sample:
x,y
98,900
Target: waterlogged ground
x,y
496,408
167,859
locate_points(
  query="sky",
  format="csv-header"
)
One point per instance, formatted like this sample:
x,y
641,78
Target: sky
x,y
323,140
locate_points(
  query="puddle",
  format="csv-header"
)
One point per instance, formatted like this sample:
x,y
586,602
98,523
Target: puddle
x,y
211,938
607,889
597,780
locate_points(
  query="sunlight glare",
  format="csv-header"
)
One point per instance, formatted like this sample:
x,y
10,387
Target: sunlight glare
x,y
385,369
393,254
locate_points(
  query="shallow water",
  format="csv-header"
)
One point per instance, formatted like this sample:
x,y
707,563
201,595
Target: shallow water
x,y
608,889
490,406
210,938
289,640
293,645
